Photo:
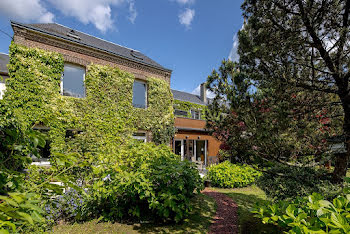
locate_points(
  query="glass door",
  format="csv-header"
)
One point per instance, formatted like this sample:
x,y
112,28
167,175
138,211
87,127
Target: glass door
x,y
179,148
201,151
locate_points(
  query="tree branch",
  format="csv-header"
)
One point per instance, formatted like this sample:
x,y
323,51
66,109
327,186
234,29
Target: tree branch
x,y
318,45
343,33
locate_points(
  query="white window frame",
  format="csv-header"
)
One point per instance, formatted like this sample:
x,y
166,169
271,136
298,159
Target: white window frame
x,y
3,86
2,90
195,112
62,76
140,138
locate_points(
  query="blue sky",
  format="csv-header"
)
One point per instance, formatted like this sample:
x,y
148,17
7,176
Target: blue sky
x,y
190,37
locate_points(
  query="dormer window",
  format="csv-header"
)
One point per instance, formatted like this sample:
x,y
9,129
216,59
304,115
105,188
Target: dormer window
x,y
139,94
73,34
73,81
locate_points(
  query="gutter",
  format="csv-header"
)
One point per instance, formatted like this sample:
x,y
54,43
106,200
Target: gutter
x,y
13,23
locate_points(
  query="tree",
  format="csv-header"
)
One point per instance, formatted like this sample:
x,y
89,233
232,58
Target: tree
x,y
275,124
301,44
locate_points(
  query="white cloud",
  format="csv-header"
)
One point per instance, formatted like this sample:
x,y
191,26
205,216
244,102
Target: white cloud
x,y
184,2
197,91
26,10
97,12
233,56
186,17
132,11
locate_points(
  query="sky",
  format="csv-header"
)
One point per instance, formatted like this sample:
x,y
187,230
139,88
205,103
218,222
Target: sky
x,y
190,37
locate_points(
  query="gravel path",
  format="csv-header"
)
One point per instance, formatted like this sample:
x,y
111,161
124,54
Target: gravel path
x,y
225,220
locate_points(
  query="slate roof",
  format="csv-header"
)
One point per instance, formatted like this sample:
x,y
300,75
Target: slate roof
x,y
187,97
84,39
4,60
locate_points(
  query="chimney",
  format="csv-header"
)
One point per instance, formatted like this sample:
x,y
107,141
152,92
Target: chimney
x,y
203,93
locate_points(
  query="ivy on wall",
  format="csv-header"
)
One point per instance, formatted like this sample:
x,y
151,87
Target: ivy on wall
x,y
188,106
105,117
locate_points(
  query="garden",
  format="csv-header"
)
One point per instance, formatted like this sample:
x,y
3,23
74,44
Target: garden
x,y
281,113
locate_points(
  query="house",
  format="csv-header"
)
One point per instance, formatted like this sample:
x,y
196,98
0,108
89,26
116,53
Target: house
x,y
192,140
80,50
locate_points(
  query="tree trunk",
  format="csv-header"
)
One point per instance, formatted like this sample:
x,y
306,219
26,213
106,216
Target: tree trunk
x,y
342,160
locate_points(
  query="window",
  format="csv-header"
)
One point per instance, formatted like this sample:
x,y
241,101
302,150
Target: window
x,y
44,153
196,114
180,113
2,87
139,94
140,136
73,81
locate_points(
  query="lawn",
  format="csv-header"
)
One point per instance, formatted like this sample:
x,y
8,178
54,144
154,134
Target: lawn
x,y
246,198
198,222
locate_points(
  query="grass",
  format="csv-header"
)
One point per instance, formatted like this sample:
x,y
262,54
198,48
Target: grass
x,y
198,222
246,198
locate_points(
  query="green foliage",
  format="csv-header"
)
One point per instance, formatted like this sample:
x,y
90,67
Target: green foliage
x,y
102,124
149,181
288,182
188,106
15,150
309,215
105,116
228,175
258,124
19,212
302,64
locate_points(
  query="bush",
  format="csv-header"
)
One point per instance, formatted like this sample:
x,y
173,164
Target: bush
x,y
19,212
150,181
289,182
228,175
309,215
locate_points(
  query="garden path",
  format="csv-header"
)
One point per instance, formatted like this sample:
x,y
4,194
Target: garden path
x,y
225,220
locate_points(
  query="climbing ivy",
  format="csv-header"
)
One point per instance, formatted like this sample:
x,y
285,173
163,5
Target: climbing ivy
x,y
104,118
188,106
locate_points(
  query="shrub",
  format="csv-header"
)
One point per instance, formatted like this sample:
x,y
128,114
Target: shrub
x,y
19,212
288,182
228,175
309,215
150,181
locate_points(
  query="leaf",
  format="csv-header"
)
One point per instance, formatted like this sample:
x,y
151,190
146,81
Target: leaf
x,y
26,217
338,220
325,203
290,211
9,224
4,231
9,200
